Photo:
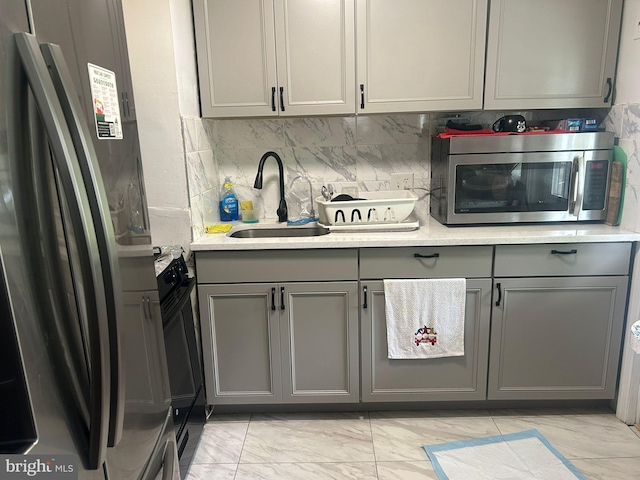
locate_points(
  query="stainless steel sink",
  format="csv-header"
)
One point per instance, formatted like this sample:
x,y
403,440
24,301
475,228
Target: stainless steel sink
x,y
279,232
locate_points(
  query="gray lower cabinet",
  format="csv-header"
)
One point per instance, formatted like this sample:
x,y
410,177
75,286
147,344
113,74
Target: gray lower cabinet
x,y
319,342
557,337
449,378
147,387
542,322
280,342
240,343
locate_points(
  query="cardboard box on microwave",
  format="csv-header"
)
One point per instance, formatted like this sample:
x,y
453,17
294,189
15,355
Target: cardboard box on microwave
x,y
574,124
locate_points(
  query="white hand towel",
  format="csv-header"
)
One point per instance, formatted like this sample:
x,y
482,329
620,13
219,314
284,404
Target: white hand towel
x,y
425,318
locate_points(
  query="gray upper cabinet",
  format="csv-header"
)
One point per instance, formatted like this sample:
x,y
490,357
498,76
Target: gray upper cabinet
x,y
551,54
557,336
275,57
420,55
433,379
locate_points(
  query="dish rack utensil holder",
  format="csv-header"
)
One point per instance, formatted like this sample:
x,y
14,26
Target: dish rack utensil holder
x,y
383,207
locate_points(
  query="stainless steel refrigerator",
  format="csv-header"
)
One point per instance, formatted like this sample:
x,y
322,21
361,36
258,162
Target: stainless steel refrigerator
x,y
82,350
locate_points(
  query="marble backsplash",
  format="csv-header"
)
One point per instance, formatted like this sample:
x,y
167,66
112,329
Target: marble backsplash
x,y
326,150
337,150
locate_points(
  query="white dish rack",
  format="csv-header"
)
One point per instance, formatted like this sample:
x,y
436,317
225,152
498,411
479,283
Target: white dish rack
x,y
385,207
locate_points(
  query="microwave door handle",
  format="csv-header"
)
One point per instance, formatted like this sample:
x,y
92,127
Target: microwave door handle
x,y
64,155
574,186
580,184
104,229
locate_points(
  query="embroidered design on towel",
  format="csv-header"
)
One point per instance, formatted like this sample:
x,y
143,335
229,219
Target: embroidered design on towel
x,y
425,334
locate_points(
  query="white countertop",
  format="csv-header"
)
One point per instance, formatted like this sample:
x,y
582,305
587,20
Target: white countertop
x,y
432,233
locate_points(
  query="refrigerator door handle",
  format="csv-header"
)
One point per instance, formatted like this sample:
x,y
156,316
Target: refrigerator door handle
x,y
66,161
103,226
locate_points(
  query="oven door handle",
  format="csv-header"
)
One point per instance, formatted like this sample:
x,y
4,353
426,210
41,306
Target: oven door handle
x,y
576,195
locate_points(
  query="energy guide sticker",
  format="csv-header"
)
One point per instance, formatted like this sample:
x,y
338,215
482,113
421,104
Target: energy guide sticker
x,y
106,106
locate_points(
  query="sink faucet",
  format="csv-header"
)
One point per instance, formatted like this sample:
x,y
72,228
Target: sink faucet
x,y
282,208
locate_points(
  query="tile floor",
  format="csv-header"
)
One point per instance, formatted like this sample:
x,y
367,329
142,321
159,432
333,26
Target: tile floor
x,y
387,445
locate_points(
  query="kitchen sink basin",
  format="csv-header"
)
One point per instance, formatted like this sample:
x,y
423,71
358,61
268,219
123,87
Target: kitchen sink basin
x,y
279,232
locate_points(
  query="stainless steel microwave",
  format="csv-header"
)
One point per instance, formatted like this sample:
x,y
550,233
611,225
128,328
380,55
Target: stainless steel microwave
x,y
561,177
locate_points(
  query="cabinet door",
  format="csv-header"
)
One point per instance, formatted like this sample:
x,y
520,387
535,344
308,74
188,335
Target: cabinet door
x,y
143,352
236,57
319,331
550,54
420,55
147,394
316,56
240,343
448,378
556,338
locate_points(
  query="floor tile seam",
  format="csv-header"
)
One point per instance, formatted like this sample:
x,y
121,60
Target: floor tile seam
x,y
551,415
615,457
332,462
244,441
477,413
426,460
373,443
495,424
306,421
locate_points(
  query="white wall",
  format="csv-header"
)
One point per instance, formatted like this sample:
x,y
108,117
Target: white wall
x,y
624,120
185,56
153,69
628,87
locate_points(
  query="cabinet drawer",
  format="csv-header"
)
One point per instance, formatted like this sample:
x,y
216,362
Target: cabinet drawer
x,y
562,259
276,266
435,262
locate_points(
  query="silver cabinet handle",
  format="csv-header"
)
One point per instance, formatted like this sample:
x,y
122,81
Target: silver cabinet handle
x,y
146,306
70,176
105,235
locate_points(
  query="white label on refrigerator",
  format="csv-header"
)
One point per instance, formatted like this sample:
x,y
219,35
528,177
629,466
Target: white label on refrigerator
x,y
106,108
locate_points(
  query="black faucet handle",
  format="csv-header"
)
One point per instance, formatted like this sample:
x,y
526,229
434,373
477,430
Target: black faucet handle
x,y
283,213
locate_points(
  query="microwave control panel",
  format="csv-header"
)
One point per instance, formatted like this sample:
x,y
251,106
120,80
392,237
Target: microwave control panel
x,y
595,185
